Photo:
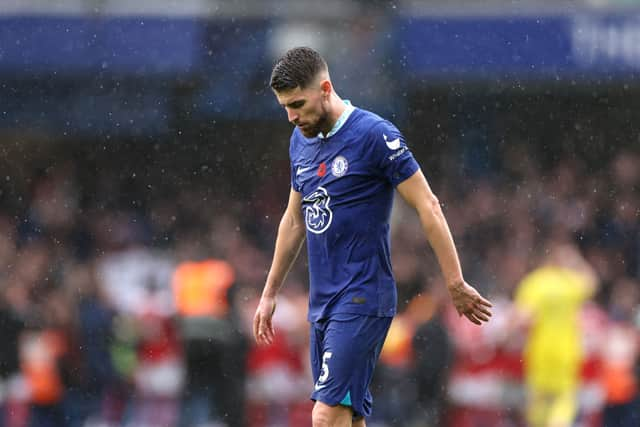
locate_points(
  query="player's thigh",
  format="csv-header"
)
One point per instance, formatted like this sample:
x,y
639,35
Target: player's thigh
x,y
324,415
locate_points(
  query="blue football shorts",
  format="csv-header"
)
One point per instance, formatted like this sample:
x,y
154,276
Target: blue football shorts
x,y
344,351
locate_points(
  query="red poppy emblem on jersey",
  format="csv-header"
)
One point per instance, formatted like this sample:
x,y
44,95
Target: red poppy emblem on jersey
x,y
322,169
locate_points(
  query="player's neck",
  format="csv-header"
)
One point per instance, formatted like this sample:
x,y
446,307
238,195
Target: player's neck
x,y
337,107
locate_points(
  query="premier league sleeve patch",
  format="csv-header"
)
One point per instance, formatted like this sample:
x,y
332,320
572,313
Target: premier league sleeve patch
x,y
339,166
389,151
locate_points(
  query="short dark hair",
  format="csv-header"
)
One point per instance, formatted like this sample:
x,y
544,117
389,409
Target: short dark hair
x,y
298,67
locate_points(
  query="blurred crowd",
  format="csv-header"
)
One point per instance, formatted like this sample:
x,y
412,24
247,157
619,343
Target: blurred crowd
x,y
122,309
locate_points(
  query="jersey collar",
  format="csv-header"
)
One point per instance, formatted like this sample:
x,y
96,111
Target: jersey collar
x,y
341,120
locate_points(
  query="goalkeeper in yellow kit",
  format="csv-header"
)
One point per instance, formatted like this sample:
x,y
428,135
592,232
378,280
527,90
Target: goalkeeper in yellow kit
x,y
548,302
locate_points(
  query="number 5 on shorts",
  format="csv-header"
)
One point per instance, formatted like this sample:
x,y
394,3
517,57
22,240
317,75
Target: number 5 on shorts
x,y
324,372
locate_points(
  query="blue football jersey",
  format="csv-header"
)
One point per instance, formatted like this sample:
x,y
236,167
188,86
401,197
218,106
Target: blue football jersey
x,y
347,182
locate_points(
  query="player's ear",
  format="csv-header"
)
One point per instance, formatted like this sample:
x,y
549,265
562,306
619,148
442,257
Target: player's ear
x,y
326,88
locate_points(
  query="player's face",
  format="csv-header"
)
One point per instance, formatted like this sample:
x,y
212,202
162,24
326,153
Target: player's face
x,y
305,109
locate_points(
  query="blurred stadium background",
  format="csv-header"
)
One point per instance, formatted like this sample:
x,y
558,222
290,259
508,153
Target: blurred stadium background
x,y
144,166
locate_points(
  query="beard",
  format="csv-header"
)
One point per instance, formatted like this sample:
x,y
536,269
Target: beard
x,y
311,130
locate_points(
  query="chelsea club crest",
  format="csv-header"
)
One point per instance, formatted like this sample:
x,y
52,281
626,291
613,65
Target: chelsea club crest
x,y
339,166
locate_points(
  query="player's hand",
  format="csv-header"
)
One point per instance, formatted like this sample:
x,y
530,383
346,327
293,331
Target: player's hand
x,y
263,330
470,303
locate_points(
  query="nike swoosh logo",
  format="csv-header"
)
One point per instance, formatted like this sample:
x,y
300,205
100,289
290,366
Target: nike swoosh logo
x,y
319,387
302,170
393,145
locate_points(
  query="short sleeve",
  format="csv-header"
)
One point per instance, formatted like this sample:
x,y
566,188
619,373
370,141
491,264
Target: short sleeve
x,y
390,153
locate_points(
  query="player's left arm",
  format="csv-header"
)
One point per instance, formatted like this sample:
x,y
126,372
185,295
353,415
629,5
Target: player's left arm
x,y
468,302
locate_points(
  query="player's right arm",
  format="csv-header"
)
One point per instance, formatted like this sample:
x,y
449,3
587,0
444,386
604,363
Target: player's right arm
x,y
291,235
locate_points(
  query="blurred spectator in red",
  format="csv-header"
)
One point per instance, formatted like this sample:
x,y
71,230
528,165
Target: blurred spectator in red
x,y
484,386
279,376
